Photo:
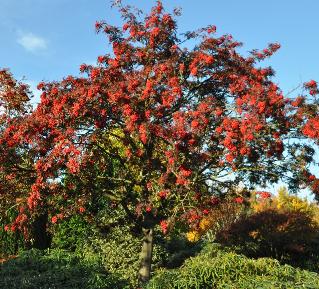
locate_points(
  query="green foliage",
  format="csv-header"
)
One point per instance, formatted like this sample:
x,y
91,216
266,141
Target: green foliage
x,y
109,240
56,269
119,252
118,245
178,249
70,234
217,269
10,242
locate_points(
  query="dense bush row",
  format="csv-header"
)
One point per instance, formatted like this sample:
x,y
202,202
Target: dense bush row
x,y
217,269
212,268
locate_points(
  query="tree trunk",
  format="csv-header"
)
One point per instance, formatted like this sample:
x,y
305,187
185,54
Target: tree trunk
x,y
40,235
144,273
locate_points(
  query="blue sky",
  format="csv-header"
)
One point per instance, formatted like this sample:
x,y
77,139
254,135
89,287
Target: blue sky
x,y
49,39
46,40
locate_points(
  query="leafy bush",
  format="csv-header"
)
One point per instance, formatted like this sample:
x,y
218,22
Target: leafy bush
x,y
10,242
283,202
119,251
117,244
290,237
217,269
56,269
284,227
178,249
71,233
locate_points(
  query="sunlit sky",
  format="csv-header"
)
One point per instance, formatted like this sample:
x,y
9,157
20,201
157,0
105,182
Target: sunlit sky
x,y
49,39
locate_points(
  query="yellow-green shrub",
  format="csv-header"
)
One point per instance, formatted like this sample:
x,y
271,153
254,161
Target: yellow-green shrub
x,y
217,269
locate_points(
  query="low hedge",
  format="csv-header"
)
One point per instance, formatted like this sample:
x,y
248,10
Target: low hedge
x,y
215,269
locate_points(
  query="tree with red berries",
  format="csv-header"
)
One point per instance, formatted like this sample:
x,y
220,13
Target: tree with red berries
x,y
17,173
186,126
13,98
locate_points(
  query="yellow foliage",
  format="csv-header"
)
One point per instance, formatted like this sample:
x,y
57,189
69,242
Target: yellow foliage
x,y
285,202
137,188
205,223
193,236
259,206
254,234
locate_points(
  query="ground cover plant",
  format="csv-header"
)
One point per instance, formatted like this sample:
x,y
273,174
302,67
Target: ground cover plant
x,y
56,269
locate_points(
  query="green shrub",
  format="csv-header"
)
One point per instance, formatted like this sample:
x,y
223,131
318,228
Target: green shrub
x,y
117,245
71,233
217,269
10,242
178,249
56,269
119,251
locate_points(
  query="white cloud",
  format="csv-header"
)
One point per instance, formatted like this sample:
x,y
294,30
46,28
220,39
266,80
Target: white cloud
x,y
32,43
